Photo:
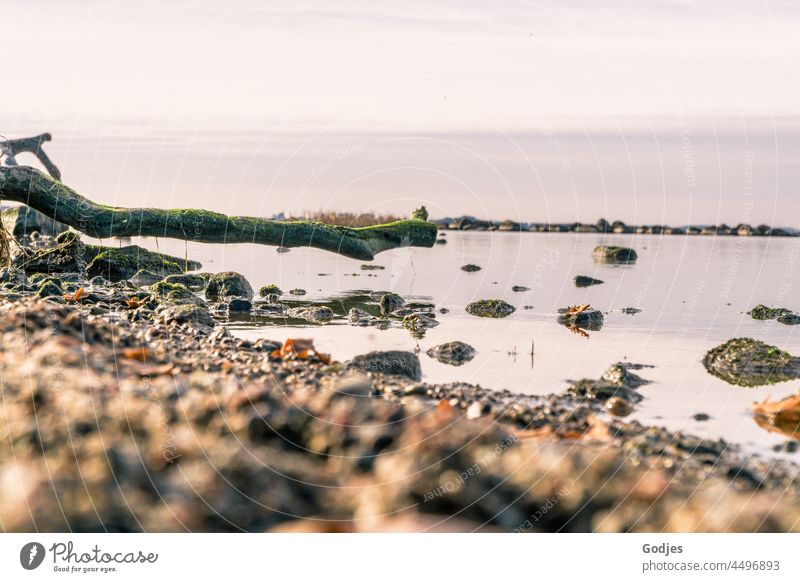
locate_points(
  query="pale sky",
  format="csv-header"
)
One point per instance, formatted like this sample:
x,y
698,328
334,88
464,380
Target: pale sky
x,y
660,111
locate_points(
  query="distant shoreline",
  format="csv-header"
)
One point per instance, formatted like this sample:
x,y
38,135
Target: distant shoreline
x,y
617,227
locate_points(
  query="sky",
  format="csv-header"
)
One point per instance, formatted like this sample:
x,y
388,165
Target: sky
x,y
663,111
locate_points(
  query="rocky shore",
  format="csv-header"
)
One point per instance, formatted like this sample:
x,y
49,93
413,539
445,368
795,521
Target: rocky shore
x,y
615,227
128,406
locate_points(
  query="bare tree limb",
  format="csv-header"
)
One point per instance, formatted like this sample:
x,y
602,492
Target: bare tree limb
x,y
59,202
12,147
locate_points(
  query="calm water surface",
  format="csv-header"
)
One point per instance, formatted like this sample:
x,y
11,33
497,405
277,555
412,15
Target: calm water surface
x,y
693,293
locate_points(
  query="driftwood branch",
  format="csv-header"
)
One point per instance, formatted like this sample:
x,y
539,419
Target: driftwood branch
x,y
59,202
12,147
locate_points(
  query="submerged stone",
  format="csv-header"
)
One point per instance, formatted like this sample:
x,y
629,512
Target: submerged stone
x,y
762,312
390,302
314,314
750,362
454,353
419,322
494,308
591,319
392,363
613,254
584,281
361,318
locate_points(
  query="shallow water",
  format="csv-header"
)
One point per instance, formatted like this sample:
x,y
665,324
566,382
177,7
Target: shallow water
x,y
693,293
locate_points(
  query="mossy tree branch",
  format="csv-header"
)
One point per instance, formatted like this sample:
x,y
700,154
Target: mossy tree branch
x,y
54,199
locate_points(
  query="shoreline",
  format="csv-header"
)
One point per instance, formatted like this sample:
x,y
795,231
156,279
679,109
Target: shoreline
x,y
468,223
130,407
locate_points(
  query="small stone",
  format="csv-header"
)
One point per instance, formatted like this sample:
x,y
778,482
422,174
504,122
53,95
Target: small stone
x,y
613,254
359,317
390,302
520,288
618,406
470,268
143,278
701,417
268,290
584,281
314,314
228,284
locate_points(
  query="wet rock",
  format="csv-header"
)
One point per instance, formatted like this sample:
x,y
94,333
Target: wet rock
x,y
630,310
618,406
392,363
144,278
13,276
454,353
186,314
359,317
172,292
390,302
99,282
584,281
314,314
616,382
192,281
238,306
50,288
520,288
762,312
117,264
297,292
269,290
701,417
591,319
418,322
470,268
67,256
27,221
750,362
789,319
228,285
613,254
372,267
494,308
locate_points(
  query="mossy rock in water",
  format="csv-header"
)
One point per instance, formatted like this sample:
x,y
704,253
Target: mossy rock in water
x,y
124,262
494,308
591,319
454,353
268,290
193,281
390,302
613,254
228,285
66,256
750,362
762,312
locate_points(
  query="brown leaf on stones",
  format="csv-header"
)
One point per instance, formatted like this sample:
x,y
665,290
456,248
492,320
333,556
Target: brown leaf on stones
x,y
576,309
781,416
75,297
135,302
138,354
300,349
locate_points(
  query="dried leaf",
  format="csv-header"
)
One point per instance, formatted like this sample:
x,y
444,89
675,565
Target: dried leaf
x,y
135,302
576,309
139,354
782,416
578,331
75,297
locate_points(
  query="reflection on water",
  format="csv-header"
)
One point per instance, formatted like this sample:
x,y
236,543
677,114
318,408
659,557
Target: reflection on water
x,y
682,297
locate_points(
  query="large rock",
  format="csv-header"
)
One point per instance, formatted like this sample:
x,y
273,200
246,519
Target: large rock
x,y
750,362
118,264
67,256
228,285
392,363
